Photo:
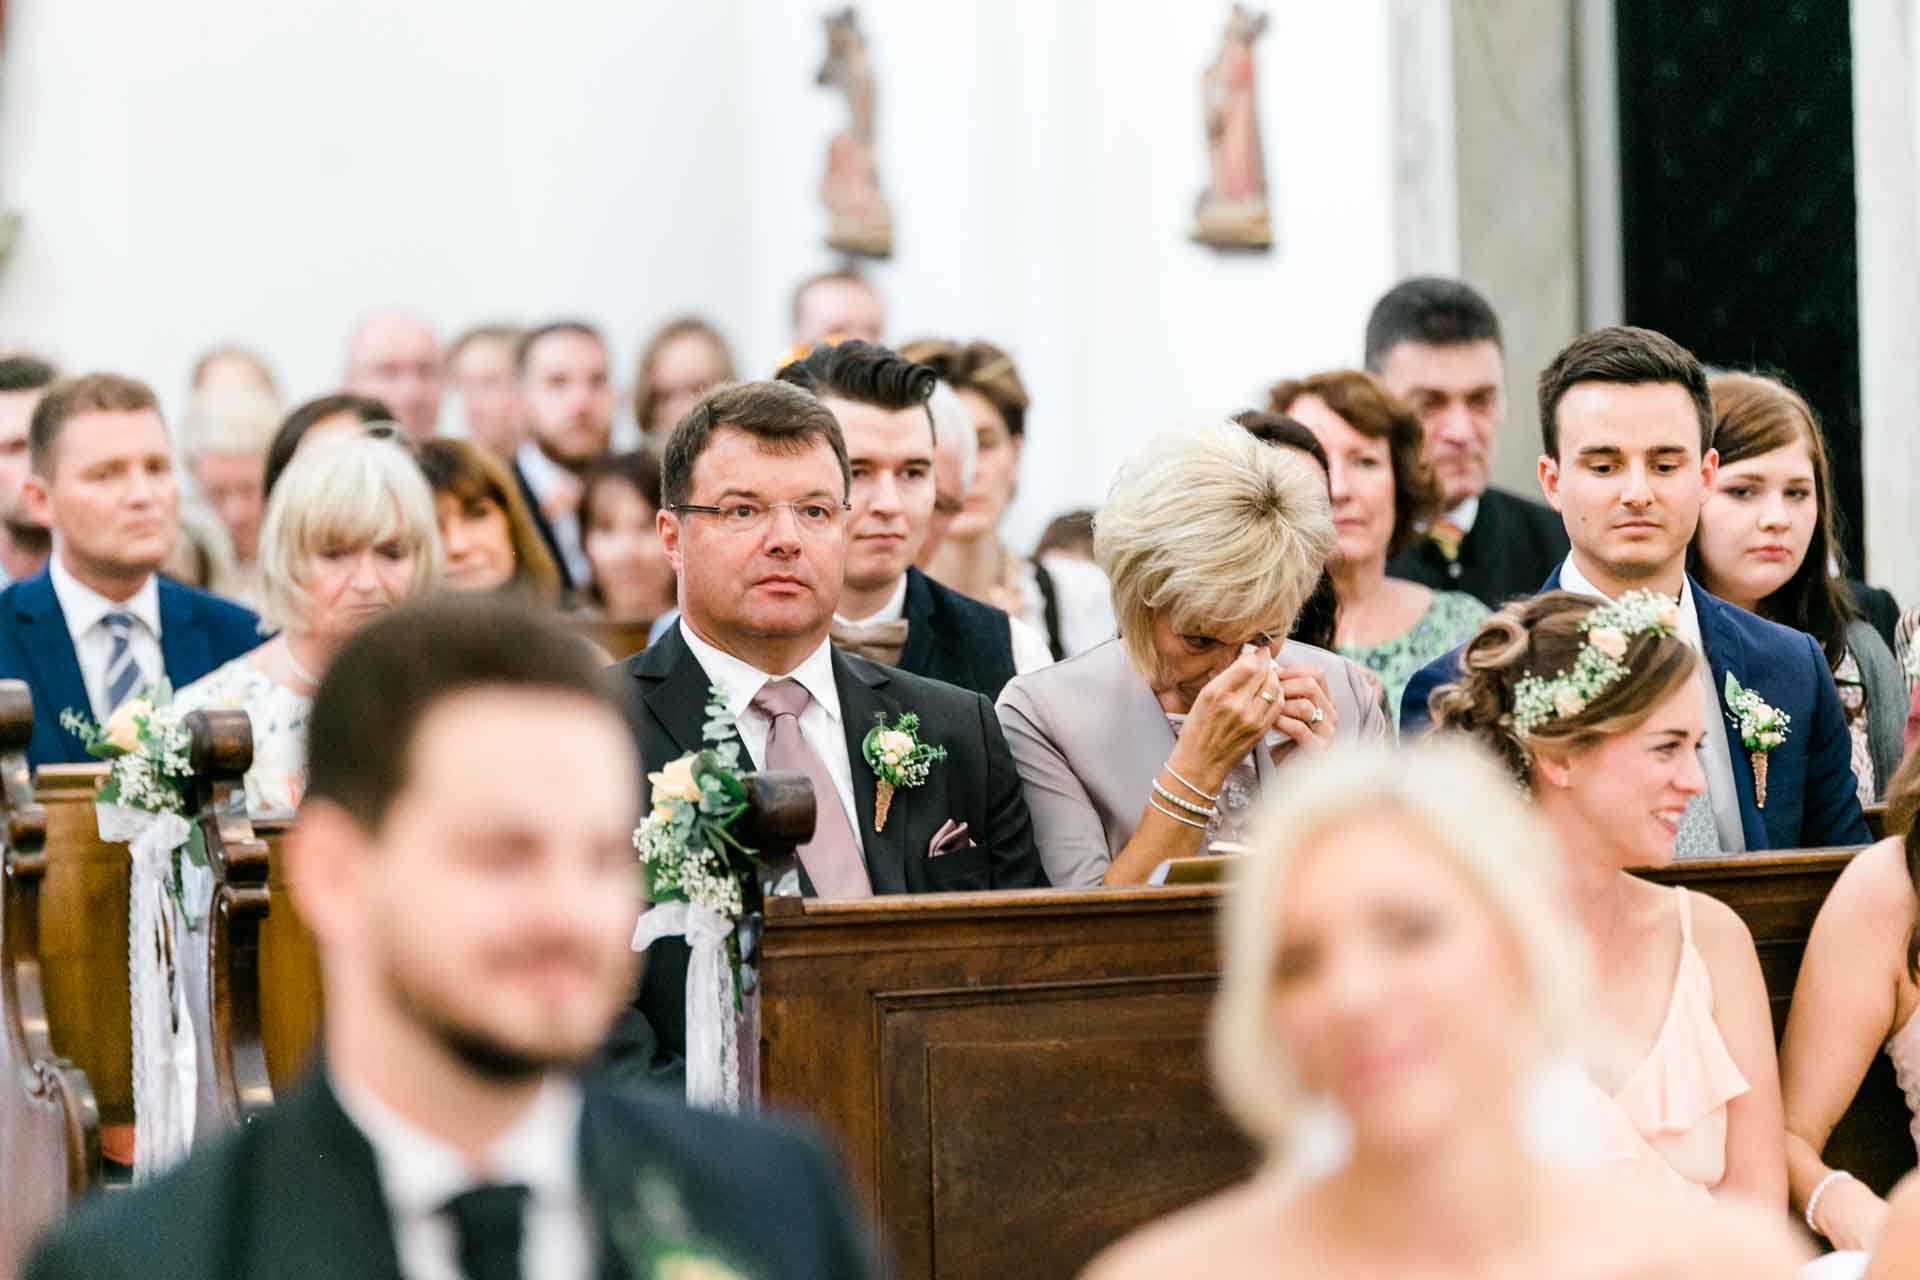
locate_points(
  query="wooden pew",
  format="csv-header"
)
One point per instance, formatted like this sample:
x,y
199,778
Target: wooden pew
x,y
49,1116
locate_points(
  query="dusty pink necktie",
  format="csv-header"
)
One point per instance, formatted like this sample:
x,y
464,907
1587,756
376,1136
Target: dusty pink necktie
x,y
832,858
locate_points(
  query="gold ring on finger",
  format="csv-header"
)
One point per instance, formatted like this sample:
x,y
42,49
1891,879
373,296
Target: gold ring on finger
x,y
1268,697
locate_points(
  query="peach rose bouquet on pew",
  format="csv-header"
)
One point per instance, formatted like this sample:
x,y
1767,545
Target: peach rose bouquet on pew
x,y
147,747
698,876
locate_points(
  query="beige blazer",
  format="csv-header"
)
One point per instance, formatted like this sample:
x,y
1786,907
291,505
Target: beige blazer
x,y
1088,736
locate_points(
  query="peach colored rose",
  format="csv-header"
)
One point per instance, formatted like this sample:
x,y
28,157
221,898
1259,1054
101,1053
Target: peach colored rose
x,y
122,728
1611,641
675,782
1569,703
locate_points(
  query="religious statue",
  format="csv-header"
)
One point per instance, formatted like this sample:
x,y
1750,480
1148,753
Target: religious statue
x,y
1232,212
861,220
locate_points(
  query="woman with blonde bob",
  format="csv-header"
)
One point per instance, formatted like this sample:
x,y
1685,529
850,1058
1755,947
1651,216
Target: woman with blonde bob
x,y
1397,947
1156,743
1598,710
349,533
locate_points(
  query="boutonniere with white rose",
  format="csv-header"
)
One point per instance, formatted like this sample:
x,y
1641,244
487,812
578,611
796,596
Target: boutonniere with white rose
x,y
1762,728
898,759
657,1240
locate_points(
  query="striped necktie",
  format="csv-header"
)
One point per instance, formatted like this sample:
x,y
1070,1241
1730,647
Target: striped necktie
x,y
124,676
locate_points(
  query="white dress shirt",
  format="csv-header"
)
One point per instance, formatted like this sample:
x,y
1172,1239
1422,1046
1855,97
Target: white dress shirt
x,y
84,608
820,723
1465,514
1030,649
544,475
419,1173
1722,790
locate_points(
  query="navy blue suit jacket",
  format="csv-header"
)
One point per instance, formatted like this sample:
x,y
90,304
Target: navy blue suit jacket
x,y
1811,798
198,632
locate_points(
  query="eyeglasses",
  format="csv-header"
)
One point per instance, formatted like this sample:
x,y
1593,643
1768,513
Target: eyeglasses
x,y
812,516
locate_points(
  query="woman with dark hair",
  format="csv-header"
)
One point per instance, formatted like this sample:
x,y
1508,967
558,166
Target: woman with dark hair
x,y
683,360
1382,490
319,417
1596,710
619,504
490,539
1319,617
1766,543
1856,995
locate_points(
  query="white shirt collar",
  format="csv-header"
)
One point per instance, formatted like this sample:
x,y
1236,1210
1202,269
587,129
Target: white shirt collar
x,y
1463,515
892,611
542,472
739,680
1571,579
419,1172
83,607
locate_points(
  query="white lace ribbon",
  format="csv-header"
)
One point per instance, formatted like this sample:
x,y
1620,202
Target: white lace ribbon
x,y
713,1043
165,1069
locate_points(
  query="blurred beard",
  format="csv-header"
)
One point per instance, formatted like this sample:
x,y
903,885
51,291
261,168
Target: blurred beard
x,y
26,536
477,1049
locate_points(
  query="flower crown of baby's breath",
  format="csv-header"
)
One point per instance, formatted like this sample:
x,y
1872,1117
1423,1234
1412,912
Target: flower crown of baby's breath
x,y
1601,662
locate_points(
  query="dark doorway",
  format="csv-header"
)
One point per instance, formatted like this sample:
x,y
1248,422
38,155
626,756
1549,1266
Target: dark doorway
x,y
1737,204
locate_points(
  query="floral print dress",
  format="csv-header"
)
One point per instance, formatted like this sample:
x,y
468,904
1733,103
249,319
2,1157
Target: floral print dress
x,y
278,778
1450,621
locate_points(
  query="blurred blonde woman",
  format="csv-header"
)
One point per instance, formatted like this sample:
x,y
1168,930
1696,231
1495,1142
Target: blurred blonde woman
x,y
1155,744
1396,947
349,533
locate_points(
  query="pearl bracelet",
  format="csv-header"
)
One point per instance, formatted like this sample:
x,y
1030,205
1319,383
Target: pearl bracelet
x,y
1197,810
1209,797
1185,822
1819,1189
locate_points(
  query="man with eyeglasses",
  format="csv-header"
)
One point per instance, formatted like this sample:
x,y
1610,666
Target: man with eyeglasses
x,y
889,610
755,483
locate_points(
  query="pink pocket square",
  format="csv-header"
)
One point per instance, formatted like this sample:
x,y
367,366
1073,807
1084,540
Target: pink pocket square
x,y
950,837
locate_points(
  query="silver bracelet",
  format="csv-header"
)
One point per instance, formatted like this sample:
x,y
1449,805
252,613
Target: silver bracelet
x,y
1185,822
1198,810
1819,1188
1175,775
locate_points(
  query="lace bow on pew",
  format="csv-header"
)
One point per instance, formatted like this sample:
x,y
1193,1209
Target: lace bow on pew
x,y
713,1040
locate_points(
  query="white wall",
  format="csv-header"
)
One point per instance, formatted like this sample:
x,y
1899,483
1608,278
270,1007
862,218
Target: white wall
x,y
267,171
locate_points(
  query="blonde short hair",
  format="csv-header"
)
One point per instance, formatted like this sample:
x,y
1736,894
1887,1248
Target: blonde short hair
x,y
1219,530
1472,810
350,490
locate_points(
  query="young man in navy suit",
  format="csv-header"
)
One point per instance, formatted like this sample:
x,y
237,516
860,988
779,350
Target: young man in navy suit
x,y
1628,429
99,623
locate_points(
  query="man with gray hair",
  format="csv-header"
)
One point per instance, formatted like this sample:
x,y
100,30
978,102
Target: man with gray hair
x,y
394,357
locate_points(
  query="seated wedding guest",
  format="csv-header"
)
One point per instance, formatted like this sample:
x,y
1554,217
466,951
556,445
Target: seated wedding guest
x,y
834,306
956,454
24,542
231,365
224,436
479,366
1436,345
463,859
1319,617
1382,491
393,357
487,537
620,511
1595,708
889,611
1766,543
1398,954
202,554
1856,995
1065,598
349,534
340,414
564,382
756,486
683,360
100,624
1627,430
1156,744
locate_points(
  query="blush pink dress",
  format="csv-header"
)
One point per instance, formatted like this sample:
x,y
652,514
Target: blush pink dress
x,y
1669,1120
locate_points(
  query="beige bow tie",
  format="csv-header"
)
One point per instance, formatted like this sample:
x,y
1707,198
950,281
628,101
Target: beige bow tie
x,y
876,641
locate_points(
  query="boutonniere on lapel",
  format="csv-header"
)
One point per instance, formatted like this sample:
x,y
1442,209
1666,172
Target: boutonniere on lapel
x,y
657,1240
1762,728
898,759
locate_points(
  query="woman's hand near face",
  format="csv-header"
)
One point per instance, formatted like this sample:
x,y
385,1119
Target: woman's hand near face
x,y
1303,690
1229,718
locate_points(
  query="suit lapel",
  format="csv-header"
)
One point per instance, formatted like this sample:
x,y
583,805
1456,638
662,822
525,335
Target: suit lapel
x,y
1726,653
919,615
184,645
609,1179
541,523
49,651
863,700
314,1202
675,692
